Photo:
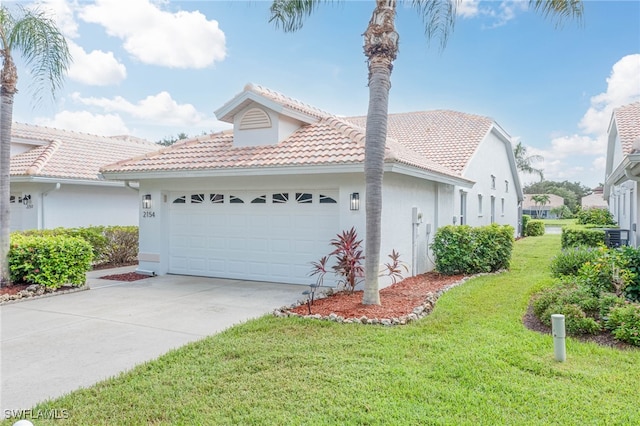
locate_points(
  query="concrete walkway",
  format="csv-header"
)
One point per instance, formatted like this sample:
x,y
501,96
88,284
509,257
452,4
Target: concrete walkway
x,y
54,345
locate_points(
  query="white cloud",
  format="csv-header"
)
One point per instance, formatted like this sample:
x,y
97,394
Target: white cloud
x,y
62,13
96,68
84,121
468,8
153,36
159,109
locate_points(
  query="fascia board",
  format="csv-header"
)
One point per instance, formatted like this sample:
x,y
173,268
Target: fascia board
x,y
66,181
427,175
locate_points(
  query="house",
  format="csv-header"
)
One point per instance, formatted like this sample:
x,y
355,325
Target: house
x,y
595,199
55,179
623,167
541,211
262,200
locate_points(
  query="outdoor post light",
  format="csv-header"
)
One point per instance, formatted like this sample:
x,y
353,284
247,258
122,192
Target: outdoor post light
x,y
146,201
355,201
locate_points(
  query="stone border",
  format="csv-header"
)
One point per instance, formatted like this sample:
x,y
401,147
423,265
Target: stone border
x,y
35,291
418,312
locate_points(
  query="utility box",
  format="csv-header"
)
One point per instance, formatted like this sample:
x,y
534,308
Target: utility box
x,y
616,237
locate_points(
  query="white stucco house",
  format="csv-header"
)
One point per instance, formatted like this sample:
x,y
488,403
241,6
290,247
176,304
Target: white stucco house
x,y
55,179
623,168
262,200
595,199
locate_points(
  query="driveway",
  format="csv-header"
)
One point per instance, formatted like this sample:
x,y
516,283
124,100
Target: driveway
x,y
54,345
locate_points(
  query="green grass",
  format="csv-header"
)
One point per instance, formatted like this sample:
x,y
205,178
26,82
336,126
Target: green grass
x,y
471,362
559,222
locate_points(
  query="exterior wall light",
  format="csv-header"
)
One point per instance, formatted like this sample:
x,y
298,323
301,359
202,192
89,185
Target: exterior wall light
x,y
354,201
146,202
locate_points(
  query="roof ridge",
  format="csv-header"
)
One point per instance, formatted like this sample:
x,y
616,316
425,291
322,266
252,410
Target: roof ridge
x,y
121,138
44,157
279,97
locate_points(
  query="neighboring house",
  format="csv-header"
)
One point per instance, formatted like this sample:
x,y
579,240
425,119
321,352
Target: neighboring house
x,y
595,199
623,168
262,200
56,181
539,211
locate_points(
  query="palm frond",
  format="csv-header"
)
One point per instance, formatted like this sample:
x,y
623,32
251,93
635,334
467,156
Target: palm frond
x,y
438,16
290,14
43,48
559,10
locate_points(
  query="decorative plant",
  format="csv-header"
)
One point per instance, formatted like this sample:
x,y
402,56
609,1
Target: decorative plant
x,y
349,258
394,268
319,269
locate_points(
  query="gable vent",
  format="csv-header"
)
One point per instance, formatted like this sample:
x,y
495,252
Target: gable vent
x,y
255,118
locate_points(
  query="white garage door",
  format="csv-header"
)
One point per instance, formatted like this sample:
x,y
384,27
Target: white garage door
x,y
267,236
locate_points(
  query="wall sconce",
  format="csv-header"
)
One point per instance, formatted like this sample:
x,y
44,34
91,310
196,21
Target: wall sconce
x,y
355,201
146,202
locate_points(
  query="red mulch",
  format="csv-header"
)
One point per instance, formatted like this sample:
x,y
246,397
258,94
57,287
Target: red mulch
x,y
128,276
396,300
13,289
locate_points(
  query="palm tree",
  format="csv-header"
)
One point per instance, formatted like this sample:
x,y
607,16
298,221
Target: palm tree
x,y
541,200
381,48
523,161
44,49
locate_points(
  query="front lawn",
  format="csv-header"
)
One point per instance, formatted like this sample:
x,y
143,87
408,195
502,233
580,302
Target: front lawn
x,y
559,222
471,362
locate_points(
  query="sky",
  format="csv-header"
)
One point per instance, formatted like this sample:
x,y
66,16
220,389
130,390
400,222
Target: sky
x,y
154,69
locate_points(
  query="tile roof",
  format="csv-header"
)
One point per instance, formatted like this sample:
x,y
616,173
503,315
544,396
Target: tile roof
x,y
628,124
331,141
436,141
71,155
447,137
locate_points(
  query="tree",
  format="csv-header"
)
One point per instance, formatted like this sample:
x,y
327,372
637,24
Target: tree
x,y
45,51
170,140
541,200
381,49
523,161
572,193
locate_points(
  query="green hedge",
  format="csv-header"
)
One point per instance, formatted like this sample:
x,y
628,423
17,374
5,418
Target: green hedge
x,y
467,250
575,236
525,220
535,228
51,261
595,216
110,244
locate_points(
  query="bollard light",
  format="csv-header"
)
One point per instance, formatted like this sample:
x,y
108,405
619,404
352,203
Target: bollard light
x,y
559,334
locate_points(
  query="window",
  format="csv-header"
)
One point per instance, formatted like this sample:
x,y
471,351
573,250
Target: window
x,y
304,197
502,203
216,198
463,207
235,200
180,200
479,204
506,186
326,200
12,199
259,200
197,198
280,198
493,182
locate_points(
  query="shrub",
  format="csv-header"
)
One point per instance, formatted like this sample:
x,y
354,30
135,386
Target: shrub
x,y
348,258
564,293
575,319
607,302
466,250
574,236
595,216
624,321
525,220
94,235
535,228
50,261
571,260
121,245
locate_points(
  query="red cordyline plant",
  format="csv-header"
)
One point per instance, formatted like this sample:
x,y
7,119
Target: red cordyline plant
x,y
394,268
349,257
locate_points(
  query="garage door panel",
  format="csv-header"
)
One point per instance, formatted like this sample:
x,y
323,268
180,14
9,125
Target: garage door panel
x,y
265,242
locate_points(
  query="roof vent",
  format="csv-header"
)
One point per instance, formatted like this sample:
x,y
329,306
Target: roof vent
x,y
255,118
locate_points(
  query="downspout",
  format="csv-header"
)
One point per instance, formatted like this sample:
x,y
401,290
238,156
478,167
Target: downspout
x,y
634,222
42,195
127,184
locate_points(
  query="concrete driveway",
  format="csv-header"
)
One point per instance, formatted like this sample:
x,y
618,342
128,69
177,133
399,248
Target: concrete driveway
x,y
54,345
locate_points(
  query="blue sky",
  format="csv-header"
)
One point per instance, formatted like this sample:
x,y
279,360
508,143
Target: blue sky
x,y
158,68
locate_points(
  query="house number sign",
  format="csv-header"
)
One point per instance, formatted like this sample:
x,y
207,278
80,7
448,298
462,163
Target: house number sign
x,y
148,214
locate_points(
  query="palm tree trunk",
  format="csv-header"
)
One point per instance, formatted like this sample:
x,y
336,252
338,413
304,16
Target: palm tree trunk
x,y
381,48
8,90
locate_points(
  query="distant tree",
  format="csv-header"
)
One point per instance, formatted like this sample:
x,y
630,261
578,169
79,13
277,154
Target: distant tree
x,y
562,212
572,192
541,200
170,140
523,161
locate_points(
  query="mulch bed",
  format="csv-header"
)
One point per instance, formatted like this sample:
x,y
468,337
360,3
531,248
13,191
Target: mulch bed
x,y
128,276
